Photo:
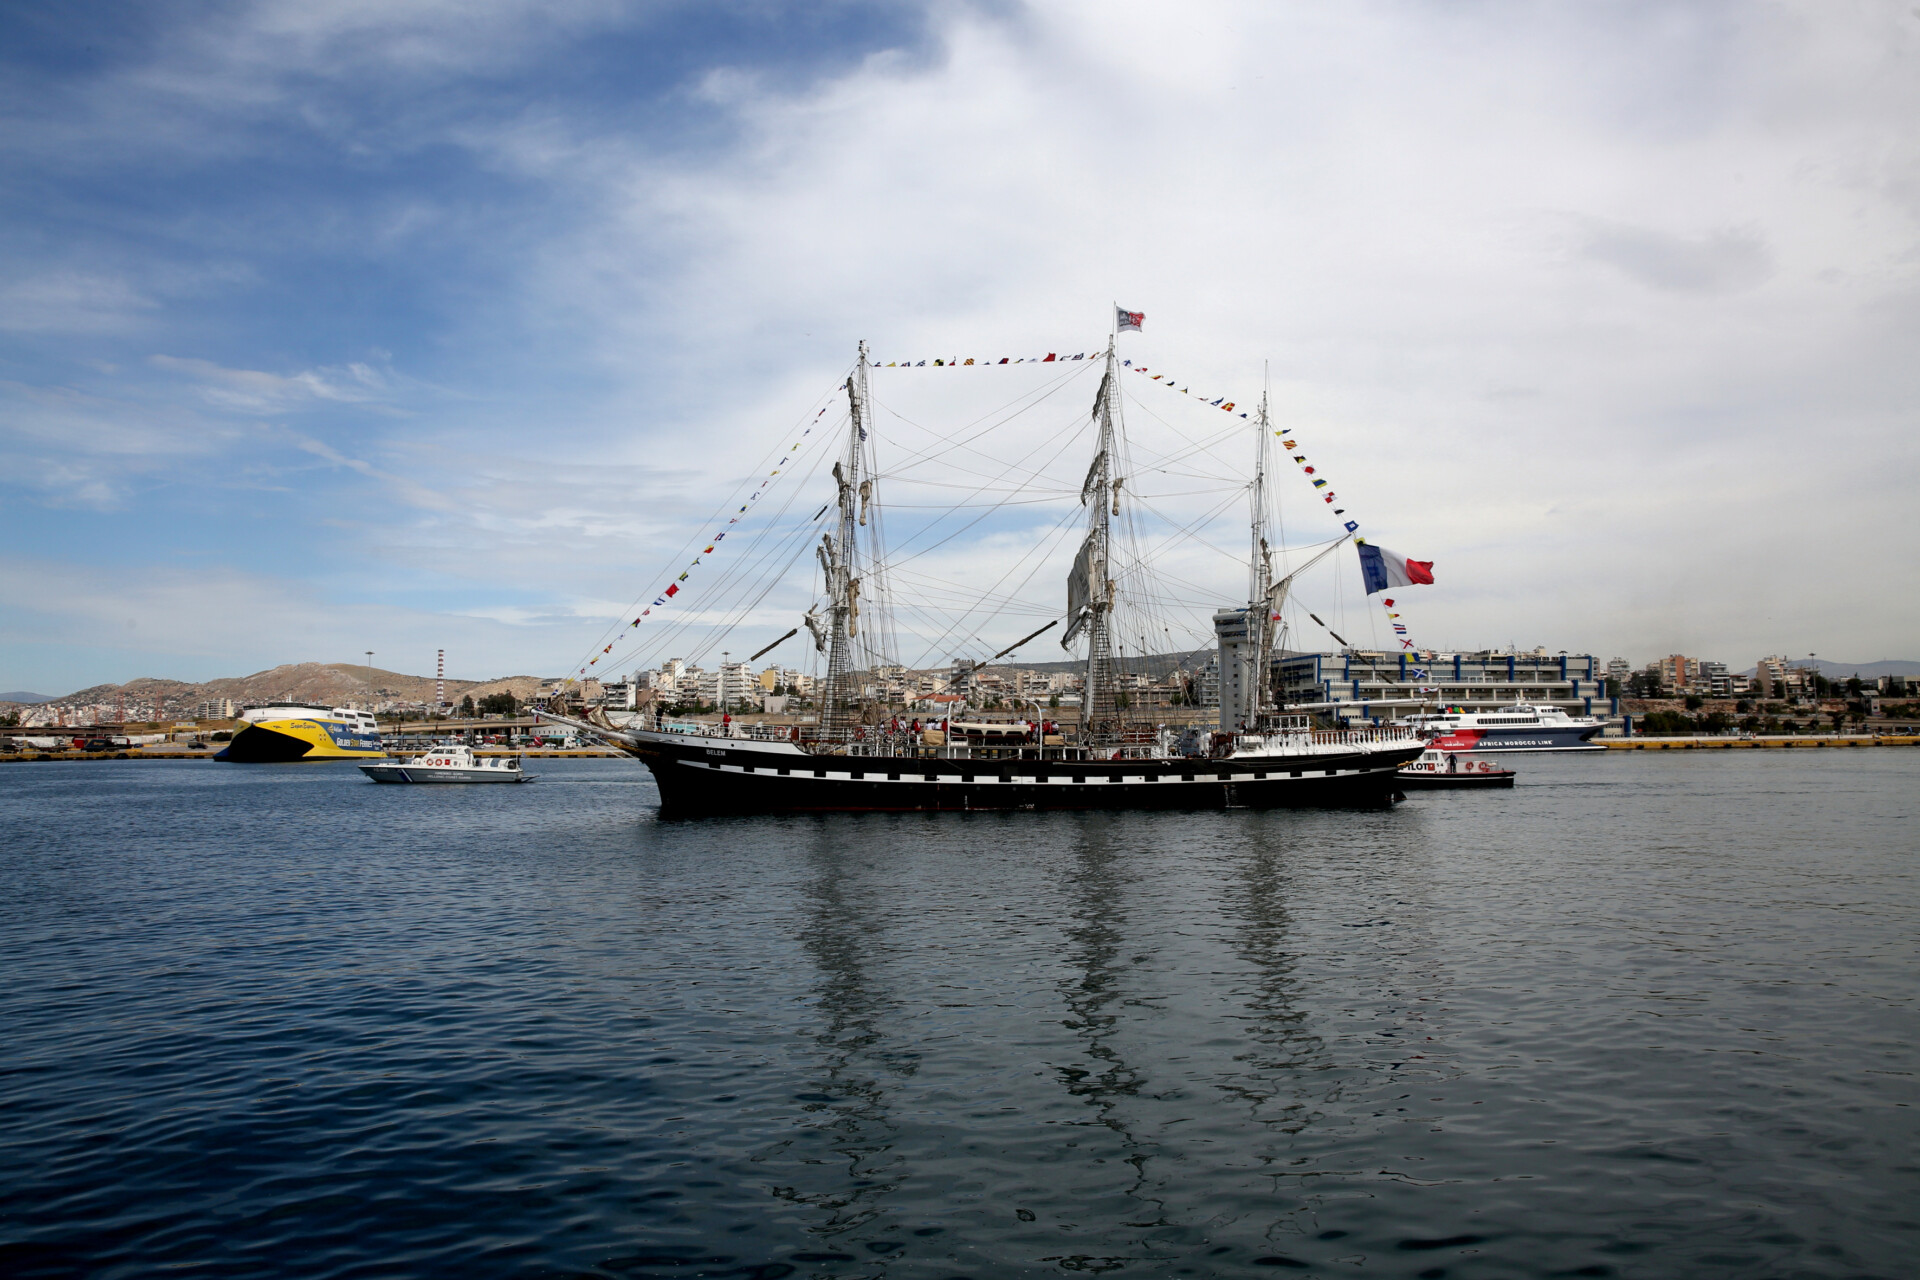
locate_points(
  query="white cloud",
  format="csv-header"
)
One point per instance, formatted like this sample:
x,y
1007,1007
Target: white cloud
x,y
254,391
1378,199
1727,260
69,301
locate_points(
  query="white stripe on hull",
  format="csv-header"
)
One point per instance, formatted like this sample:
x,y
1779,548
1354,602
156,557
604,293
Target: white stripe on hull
x,y
397,773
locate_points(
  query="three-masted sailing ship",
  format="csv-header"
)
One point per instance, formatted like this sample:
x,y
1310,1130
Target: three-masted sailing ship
x,y
853,759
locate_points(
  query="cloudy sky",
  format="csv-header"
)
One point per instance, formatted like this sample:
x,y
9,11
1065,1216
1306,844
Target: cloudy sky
x,y
331,325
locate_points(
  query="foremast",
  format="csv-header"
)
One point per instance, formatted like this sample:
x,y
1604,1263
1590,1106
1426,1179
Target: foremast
x,y
839,558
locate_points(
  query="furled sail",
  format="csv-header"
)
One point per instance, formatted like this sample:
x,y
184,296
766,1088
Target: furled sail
x,y
1092,484
1080,588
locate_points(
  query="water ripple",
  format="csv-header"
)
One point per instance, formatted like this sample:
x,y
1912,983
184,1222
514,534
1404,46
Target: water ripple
x,y
1635,1018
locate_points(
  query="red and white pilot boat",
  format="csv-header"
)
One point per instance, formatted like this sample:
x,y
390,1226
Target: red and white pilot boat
x,y
1438,770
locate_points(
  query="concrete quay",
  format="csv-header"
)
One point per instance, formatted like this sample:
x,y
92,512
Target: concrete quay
x,y
1750,744
181,753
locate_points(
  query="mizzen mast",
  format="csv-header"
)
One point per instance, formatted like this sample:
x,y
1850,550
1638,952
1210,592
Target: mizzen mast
x,y
1245,635
1259,606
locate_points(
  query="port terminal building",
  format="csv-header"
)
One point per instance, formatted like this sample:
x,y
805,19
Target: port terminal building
x,y
1360,687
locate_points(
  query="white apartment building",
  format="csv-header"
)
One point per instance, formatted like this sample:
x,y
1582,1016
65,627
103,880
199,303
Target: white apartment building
x,y
737,687
622,695
1713,680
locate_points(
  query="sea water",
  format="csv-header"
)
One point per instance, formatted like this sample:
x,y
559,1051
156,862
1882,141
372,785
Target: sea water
x,y
1639,1016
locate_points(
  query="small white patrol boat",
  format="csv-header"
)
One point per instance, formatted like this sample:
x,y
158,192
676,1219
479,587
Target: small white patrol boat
x,y
448,764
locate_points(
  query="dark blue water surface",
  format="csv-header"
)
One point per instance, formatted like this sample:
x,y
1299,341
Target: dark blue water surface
x,y
1641,1016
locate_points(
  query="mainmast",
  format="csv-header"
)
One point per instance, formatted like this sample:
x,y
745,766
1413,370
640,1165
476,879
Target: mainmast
x,y
840,705
1092,582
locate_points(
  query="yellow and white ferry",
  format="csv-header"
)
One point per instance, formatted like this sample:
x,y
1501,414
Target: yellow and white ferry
x,y
284,731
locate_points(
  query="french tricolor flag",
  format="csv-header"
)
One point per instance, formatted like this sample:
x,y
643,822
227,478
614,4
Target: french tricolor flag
x,y
1382,569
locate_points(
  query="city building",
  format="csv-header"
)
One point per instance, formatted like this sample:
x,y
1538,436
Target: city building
x,y
1773,678
1712,680
736,687
622,694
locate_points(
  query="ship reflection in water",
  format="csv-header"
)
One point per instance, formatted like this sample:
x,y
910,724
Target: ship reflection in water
x,y
1436,1038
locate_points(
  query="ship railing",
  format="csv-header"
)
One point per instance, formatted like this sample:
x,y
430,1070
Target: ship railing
x,y
708,729
1308,741
1360,737
905,744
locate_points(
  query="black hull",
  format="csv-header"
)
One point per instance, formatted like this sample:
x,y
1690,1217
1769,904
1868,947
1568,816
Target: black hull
x,y
255,745
711,776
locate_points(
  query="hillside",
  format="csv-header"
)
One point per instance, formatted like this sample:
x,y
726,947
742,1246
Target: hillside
x,y
1157,666
318,682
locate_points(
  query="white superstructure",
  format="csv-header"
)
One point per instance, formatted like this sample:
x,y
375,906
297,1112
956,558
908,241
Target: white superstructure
x,y
361,721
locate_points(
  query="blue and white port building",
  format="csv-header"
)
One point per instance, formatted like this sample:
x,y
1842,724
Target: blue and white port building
x,y
1360,686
